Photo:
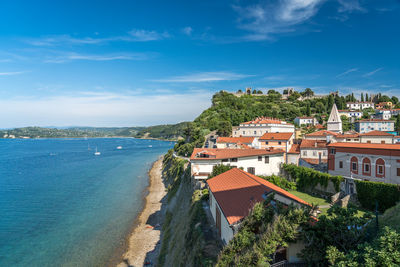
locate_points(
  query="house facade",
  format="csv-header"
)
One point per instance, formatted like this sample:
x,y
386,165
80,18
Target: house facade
x,y
313,151
282,141
359,105
236,142
306,121
371,162
377,137
365,126
234,193
262,125
256,161
351,113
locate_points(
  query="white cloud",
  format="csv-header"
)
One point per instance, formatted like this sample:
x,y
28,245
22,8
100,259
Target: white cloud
x,y
372,72
144,36
67,57
187,30
347,72
350,6
103,109
206,77
266,18
10,73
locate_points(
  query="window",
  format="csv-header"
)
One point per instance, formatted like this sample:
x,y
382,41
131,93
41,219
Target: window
x,y
225,160
244,132
267,159
369,142
259,158
279,143
366,166
382,142
251,170
333,151
341,164
314,153
255,132
233,159
380,168
304,153
398,171
324,153
354,165
266,142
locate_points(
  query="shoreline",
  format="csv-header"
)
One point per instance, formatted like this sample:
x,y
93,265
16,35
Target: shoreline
x,y
141,243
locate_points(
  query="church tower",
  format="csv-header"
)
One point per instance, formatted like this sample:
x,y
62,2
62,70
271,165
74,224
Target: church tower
x,y
334,121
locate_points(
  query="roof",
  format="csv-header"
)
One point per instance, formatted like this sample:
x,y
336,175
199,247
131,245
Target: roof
x,y
377,133
314,161
241,139
266,120
374,120
236,192
227,153
276,136
334,116
352,135
307,143
294,149
321,133
366,146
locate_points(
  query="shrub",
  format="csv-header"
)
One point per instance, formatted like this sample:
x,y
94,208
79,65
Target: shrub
x,y
281,182
386,194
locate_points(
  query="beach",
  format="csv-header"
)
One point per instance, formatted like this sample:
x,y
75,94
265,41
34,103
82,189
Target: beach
x,y
142,243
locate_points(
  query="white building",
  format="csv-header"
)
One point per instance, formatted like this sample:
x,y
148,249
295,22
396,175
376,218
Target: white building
x,y
359,105
256,161
234,193
236,142
306,121
334,122
377,137
365,126
383,114
351,113
372,162
314,151
262,125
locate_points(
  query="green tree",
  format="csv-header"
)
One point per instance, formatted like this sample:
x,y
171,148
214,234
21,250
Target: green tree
x,y
308,92
259,92
240,91
254,91
366,97
308,110
294,96
398,123
353,99
224,128
362,97
395,100
218,169
345,123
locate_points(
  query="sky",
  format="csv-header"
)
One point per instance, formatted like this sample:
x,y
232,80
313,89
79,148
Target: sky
x,y
139,63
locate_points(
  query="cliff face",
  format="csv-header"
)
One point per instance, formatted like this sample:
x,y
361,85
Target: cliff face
x,y
187,237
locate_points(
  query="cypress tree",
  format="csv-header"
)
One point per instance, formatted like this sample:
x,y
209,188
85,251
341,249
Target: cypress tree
x,y
362,97
366,97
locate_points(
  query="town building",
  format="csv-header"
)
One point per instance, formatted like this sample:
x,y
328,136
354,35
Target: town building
x,y
257,161
234,193
262,125
377,137
365,161
353,137
351,113
334,123
359,105
282,141
236,142
293,156
324,135
306,121
313,152
383,105
383,114
368,125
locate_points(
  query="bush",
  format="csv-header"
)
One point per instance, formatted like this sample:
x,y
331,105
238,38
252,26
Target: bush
x,y
281,182
386,194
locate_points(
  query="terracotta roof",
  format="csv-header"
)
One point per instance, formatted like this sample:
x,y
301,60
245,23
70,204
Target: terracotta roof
x,y
237,191
366,146
276,136
321,133
227,153
241,139
265,120
319,126
294,149
377,133
353,135
373,120
306,143
314,161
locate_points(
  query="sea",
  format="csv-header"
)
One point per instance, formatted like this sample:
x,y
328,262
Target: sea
x,y
61,205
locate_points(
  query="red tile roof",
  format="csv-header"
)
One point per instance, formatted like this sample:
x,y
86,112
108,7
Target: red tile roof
x,y
294,149
237,191
265,120
366,146
276,136
227,153
377,133
306,143
241,139
321,133
353,135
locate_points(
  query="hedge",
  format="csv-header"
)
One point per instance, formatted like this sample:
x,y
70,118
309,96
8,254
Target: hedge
x,y
386,194
307,178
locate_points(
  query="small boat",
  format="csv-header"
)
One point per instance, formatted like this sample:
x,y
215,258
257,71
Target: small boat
x,y
97,153
119,147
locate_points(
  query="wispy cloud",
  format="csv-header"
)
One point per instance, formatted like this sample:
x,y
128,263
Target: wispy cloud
x,y
346,72
267,18
135,35
187,30
11,73
368,74
67,57
206,77
350,6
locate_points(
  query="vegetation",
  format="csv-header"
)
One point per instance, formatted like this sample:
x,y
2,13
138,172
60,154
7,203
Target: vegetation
x,y
281,182
218,169
368,193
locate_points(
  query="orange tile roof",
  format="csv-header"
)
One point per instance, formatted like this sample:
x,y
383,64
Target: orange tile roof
x,y
227,153
294,149
321,133
377,133
241,139
265,120
366,146
237,191
306,143
314,161
353,135
276,136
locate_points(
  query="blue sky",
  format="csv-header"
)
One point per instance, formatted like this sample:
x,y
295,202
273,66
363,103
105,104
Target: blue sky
x,y
125,63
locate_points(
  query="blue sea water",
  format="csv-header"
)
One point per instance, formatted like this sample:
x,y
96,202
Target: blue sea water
x,y
60,205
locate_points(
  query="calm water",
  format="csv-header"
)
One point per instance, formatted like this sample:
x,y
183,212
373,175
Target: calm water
x,y
62,206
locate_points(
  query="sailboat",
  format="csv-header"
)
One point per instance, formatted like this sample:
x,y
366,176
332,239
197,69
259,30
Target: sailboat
x,y
97,153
